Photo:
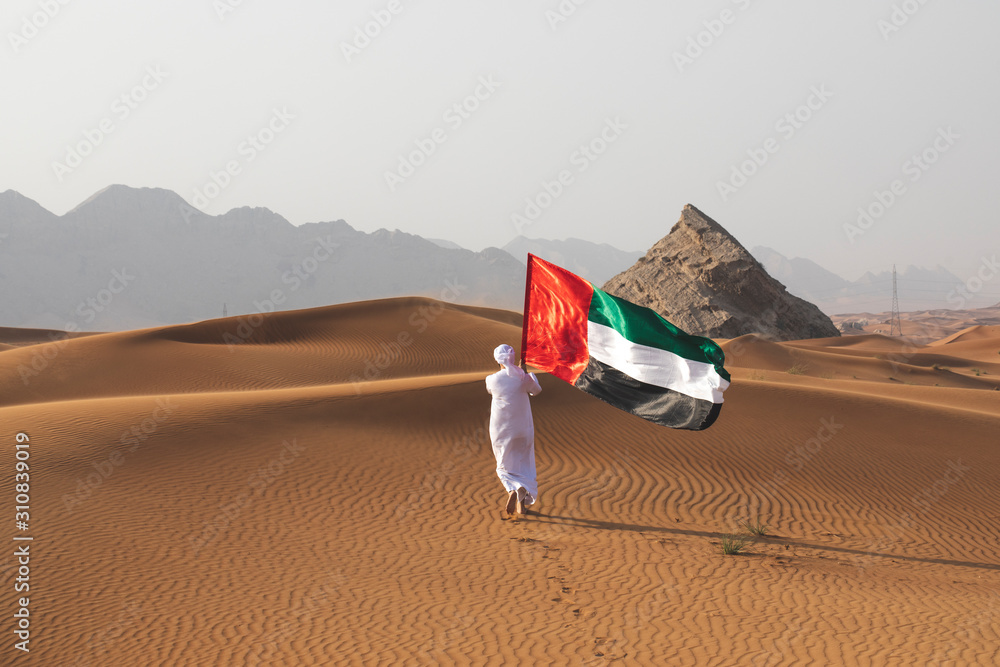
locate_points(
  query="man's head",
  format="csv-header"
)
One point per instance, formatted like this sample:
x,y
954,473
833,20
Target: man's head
x,y
504,355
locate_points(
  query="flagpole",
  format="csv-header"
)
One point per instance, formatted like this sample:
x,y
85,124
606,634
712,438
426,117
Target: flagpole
x,y
524,317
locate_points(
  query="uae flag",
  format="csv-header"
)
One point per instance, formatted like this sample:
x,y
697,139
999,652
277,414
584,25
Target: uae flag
x,y
624,354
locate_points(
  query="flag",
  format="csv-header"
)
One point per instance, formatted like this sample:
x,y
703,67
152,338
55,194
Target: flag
x,y
623,354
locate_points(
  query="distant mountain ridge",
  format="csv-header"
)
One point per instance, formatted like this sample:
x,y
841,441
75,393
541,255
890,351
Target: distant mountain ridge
x,y
182,265
14,205
596,262
135,257
918,288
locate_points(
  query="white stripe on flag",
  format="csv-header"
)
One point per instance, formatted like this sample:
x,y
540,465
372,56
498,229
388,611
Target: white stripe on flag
x,y
655,366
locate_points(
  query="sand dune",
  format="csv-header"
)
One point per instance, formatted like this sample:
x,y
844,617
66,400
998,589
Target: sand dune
x,y
978,332
16,337
322,492
972,364
924,326
340,344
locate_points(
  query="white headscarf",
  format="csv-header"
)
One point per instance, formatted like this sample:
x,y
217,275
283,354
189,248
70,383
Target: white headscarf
x,y
504,355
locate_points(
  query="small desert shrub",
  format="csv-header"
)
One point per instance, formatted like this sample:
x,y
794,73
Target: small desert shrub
x,y
757,375
797,369
755,527
734,544
976,371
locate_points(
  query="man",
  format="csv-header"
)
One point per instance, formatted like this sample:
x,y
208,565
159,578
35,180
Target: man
x,y
511,429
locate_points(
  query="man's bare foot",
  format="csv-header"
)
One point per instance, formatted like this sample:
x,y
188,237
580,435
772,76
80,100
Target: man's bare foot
x,y
511,502
521,493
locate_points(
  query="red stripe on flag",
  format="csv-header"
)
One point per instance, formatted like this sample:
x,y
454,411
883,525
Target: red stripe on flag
x,y
554,334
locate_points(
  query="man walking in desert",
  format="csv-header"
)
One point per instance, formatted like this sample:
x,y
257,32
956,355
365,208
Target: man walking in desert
x,y
512,430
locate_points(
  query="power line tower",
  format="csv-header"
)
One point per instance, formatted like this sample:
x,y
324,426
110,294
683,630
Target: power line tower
x,y
895,326
225,311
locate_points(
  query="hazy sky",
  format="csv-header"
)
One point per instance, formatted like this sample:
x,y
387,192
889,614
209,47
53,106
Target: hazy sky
x,y
638,107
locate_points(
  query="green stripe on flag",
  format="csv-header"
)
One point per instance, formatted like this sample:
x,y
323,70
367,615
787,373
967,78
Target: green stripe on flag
x,y
646,327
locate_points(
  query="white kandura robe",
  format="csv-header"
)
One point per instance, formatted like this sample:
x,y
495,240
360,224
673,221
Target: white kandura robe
x,y
512,430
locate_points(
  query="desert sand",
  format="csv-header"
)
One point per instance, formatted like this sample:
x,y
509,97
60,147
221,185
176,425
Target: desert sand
x,y
317,487
922,326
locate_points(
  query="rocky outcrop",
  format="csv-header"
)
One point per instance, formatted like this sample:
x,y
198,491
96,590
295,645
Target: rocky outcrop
x,y
700,278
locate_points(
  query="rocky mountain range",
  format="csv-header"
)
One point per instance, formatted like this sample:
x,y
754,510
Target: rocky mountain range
x,y
135,257
918,288
700,278
596,262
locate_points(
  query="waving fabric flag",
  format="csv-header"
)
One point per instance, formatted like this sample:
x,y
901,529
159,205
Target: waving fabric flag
x,y
624,354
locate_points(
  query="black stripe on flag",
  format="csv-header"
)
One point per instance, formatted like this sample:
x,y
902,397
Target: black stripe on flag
x,y
662,406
